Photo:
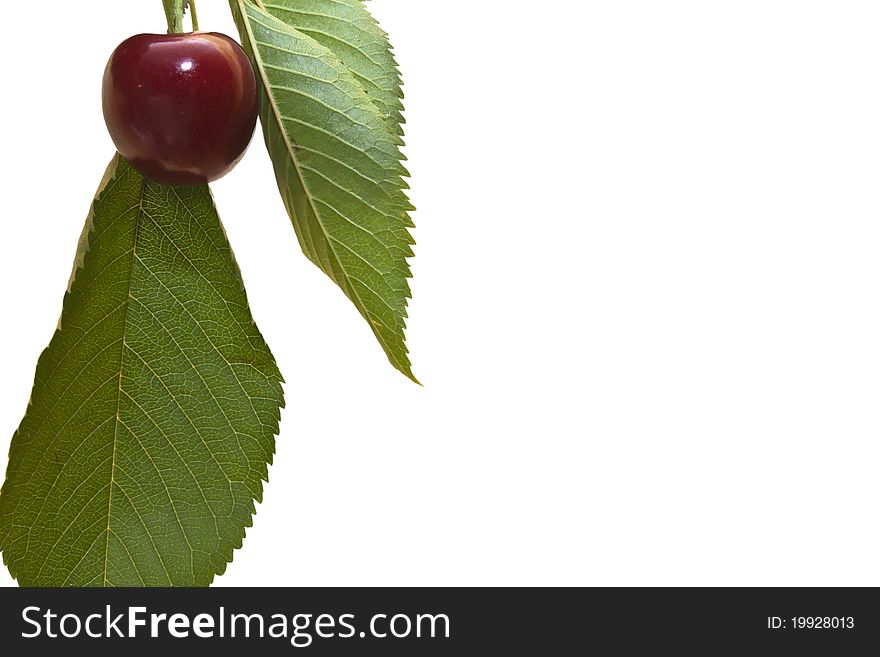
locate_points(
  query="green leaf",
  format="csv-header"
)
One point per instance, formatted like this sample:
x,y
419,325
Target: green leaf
x,y
348,29
152,419
339,170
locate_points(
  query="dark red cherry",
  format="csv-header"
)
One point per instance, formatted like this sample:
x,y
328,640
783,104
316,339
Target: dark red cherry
x,y
181,108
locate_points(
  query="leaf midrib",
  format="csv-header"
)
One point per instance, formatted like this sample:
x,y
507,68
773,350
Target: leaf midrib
x,y
137,226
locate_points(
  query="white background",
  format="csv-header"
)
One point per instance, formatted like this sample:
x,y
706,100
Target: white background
x,y
646,295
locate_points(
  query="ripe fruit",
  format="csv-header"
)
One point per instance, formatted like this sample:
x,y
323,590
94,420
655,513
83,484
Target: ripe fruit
x,y
181,108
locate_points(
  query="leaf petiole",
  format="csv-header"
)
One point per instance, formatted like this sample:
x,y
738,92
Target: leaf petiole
x,y
174,15
174,11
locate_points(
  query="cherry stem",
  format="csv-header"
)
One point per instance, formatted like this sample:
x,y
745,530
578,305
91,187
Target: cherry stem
x,y
193,15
